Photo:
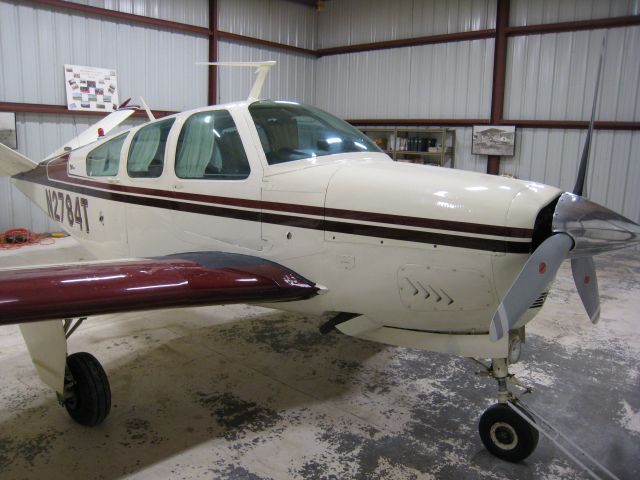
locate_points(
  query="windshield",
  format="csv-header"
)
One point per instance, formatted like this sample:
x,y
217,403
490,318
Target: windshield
x,y
290,131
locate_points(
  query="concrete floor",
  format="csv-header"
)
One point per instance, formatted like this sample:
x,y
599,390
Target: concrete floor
x,y
249,393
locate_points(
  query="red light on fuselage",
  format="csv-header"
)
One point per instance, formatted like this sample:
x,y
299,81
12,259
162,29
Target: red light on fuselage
x,y
101,132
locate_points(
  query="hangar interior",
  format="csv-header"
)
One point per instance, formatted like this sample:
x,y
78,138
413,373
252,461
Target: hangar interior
x,y
247,392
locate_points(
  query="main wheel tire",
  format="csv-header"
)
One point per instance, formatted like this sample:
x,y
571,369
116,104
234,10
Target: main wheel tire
x,y
506,434
90,402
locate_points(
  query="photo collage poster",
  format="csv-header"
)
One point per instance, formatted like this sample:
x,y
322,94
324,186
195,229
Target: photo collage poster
x,y
91,88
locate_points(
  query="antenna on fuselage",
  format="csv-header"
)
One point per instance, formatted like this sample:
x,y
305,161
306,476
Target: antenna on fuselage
x,y
262,69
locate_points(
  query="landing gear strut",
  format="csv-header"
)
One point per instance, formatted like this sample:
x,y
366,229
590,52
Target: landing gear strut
x,y
504,432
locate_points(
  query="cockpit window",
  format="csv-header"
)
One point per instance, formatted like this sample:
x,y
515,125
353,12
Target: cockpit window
x,y
104,160
210,148
289,131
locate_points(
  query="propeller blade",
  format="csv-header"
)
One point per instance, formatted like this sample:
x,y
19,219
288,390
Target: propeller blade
x,y
536,275
584,276
578,189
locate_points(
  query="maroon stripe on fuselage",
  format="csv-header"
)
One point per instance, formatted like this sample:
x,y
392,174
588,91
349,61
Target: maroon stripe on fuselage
x,y
43,293
57,170
55,175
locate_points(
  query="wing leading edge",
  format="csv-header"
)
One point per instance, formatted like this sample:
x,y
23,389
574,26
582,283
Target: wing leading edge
x,y
181,280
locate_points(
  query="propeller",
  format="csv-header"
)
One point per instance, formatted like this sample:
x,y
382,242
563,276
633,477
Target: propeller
x,y
537,274
580,229
578,188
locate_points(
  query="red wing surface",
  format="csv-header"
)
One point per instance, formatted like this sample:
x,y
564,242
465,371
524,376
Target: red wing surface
x,y
181,280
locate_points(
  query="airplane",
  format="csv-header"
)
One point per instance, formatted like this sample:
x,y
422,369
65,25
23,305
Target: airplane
x,y
281,204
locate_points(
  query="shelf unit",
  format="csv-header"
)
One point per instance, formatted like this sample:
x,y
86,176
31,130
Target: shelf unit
x,y
430,146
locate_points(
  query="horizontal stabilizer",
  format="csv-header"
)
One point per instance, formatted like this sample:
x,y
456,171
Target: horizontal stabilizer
x,y
181,280
12,162
91,134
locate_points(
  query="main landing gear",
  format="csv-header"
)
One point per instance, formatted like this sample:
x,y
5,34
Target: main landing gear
x,y
87,395
507,430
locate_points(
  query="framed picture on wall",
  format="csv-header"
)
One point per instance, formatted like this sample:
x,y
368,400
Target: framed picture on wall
x,y
8,135
494,140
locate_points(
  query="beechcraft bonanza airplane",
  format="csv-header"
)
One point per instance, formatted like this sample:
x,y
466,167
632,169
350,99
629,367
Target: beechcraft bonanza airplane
x,y
278,203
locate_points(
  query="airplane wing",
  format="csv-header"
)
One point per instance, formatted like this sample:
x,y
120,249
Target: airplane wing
x,y
181,280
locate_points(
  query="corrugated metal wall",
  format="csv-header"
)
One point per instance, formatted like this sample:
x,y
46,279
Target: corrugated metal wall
x,y
349,22
450,80
535,12
294,77
553,76
279,21
37,40
193,12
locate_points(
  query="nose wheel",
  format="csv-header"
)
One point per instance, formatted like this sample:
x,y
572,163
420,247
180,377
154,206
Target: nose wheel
x,y
87,391
503,431
506,434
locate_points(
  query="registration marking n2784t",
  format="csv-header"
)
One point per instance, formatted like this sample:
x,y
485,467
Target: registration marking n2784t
x,y
68,209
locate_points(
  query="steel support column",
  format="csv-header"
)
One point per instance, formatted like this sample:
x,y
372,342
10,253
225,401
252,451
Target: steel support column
x,y
499,75
212,95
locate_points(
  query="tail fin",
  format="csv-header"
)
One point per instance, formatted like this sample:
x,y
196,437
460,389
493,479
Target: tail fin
x,y
12,162
91,134
262,69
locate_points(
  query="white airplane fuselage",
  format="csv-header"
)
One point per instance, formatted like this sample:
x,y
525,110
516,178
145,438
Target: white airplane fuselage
x,y
424,254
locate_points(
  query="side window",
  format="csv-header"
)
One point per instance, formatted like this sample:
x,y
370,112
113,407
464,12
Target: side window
x,y
209,148
104,160
146,153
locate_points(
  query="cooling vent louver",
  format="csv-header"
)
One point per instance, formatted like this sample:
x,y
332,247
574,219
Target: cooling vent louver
x,y
540,300
426,288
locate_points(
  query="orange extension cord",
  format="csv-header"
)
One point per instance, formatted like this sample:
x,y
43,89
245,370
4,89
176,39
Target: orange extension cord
x,y
19,237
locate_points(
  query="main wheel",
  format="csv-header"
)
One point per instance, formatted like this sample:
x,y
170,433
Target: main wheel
x,y
90,401
506,434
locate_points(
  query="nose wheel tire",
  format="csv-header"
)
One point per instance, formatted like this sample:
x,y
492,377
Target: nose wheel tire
x,y
506,434
89,402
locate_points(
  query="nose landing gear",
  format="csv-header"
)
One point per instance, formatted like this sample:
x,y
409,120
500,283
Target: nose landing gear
x,y
510,429
503,431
